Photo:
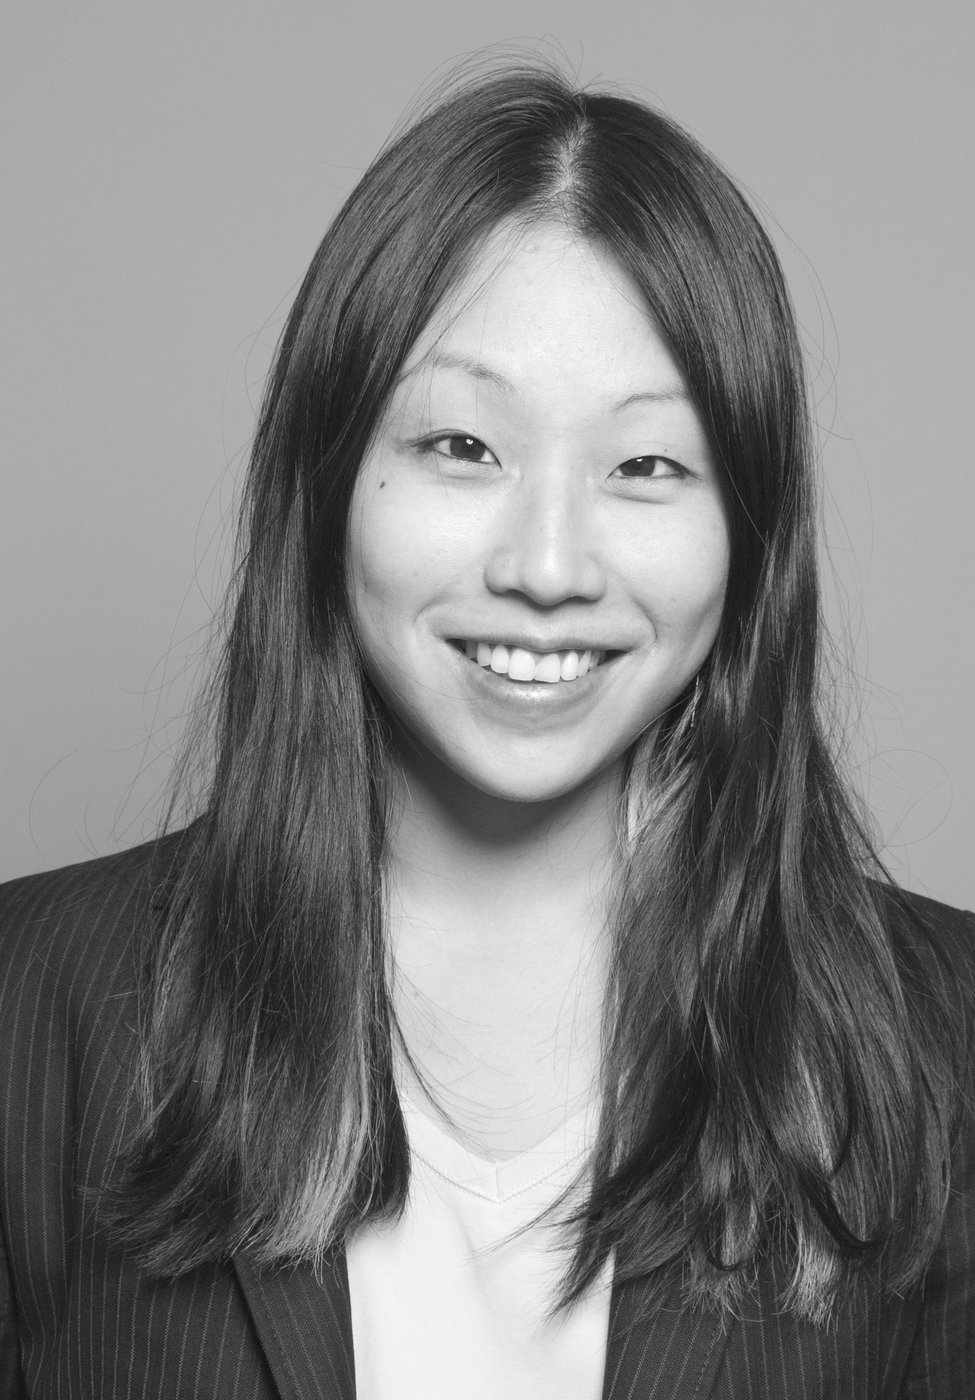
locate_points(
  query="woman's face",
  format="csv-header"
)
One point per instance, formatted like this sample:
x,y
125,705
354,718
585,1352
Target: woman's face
x,y
538,545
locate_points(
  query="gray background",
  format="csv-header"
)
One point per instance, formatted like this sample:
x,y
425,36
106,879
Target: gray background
x,y
168,171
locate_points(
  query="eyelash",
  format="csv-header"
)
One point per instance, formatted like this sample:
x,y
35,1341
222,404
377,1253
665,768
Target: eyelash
x,y
675,467
431,445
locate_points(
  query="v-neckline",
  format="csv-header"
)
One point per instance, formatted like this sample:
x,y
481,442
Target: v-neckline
x,y
558,1155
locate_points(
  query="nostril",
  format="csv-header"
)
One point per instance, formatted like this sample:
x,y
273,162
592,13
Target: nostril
x,y
546,576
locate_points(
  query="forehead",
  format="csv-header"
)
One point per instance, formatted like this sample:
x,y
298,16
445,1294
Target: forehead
x,y
539,302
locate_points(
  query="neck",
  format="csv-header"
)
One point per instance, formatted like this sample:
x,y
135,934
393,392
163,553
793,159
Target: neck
x,y
457,847
497,914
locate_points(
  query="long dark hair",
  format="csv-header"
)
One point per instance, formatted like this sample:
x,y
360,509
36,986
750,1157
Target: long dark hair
x,y
771,1080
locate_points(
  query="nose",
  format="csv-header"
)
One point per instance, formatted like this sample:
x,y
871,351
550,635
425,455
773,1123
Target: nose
x,y
545,547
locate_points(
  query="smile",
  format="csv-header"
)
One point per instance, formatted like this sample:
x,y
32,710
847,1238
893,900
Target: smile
x,y
520,664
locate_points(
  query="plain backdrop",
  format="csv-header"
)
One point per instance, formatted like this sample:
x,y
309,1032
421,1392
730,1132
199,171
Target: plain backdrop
x,y
168,170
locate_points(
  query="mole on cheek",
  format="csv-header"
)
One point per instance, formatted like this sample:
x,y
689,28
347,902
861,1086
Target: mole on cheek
x,y
381,485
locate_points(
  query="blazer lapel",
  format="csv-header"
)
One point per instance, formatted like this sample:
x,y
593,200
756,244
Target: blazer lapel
x,y
305,1327
657,1353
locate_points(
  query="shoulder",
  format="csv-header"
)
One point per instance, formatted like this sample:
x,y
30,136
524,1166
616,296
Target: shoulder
x,y
66,904
936,942
938,920
69,938
77,886
70,947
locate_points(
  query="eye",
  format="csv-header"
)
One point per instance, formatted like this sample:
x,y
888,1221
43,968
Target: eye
x,y
459,447
648,469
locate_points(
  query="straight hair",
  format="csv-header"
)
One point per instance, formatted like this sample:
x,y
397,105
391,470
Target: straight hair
x,y
777,1078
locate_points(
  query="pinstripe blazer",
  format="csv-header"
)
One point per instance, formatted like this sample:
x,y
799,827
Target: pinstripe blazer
x,y
78,1319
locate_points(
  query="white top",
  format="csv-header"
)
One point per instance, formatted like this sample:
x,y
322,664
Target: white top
x,y
444,1305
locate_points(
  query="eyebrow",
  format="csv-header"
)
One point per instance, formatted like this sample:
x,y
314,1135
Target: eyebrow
x,y
446,359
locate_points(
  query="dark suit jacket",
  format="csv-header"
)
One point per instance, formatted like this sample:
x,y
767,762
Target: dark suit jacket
x,y
78,1319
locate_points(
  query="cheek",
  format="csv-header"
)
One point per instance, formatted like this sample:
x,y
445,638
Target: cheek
x,y
683,577
397,567
369,570
706,590
382,549
408,547
376,601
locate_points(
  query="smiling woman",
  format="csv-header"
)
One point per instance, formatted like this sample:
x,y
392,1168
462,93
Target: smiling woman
x,y
540,490
525,1012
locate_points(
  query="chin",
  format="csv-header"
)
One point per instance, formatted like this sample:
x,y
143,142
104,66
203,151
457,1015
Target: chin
x,y
528,788
522,775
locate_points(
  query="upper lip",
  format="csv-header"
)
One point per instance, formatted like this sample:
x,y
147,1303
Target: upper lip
x,y
563,642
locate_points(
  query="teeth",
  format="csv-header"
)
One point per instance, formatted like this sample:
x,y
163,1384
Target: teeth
x,y
548,668
569,665
520,664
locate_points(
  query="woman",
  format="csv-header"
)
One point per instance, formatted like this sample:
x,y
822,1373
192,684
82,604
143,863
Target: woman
x,y
524,1012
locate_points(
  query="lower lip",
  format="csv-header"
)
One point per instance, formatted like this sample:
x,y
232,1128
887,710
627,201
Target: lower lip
x,y
533,696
